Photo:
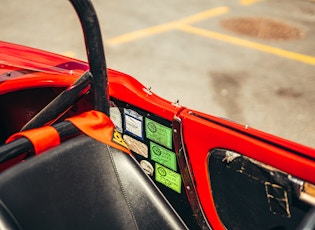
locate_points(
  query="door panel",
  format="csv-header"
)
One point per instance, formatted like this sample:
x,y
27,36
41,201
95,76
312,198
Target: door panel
x,y
251,195
206,136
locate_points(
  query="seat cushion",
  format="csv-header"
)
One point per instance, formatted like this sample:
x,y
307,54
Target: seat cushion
x,y
84,184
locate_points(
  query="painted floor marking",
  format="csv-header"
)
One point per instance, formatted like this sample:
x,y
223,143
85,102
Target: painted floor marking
x,y
249,44
69,53
184,25
167,27
249,2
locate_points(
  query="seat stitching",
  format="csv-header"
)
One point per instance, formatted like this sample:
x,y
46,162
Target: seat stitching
x,y
121,186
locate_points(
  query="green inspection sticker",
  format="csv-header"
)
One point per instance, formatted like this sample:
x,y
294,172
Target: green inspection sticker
x,y
163,156
158,133
168,178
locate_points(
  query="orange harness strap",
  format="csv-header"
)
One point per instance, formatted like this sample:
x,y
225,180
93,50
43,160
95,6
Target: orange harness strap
x,y
42,138
93,123
99,126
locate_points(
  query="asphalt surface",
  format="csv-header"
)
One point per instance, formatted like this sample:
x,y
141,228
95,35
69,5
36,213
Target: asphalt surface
x,y
246,60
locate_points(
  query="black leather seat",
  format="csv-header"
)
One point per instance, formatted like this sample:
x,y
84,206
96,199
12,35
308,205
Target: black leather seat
x,y
83,184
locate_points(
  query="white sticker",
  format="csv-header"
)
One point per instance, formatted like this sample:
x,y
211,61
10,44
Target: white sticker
x,y
136,146
147,167
133,123
115,116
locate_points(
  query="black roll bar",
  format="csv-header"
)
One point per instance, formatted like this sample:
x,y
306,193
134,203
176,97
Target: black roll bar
x,y
97,77
95,53
61,104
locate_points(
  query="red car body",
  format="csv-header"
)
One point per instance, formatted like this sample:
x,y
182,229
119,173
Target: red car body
x,y
24,70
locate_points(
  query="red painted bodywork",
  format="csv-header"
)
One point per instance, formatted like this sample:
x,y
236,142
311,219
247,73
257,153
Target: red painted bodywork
x,y
201,136
31,68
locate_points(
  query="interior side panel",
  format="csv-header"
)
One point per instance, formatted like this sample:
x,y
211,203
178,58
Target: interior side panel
x,y
203,133
250,195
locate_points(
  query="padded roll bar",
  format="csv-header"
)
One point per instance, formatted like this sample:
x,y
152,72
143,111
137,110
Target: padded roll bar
x,y
95,53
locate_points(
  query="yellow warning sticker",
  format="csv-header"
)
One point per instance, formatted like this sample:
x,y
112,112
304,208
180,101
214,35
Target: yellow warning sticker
x,y
117,137
168,178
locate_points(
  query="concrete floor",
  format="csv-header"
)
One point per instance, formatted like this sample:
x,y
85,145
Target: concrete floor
x,y
183,50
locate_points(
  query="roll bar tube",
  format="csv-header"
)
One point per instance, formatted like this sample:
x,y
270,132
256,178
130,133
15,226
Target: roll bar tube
x,y
95,54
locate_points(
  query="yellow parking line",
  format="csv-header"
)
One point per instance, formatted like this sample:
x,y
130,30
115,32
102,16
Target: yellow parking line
x,y
140,34
249,44
69,54
167,26
204,15
249,2
183,25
